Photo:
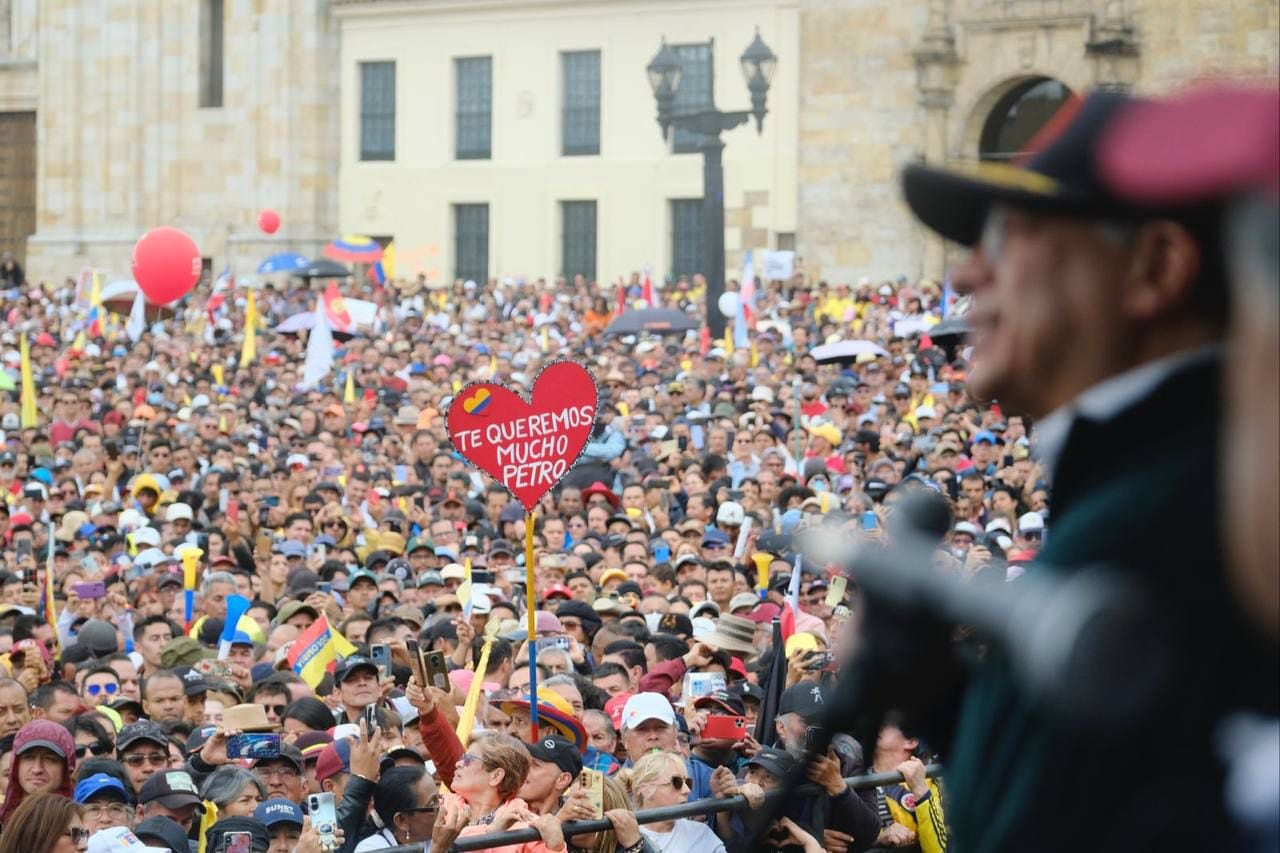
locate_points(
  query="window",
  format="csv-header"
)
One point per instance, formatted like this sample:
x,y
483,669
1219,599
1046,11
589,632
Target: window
x,y
1019,116
581,118
377,111
578,239
686,237
696,83
211,21
471,242
474,80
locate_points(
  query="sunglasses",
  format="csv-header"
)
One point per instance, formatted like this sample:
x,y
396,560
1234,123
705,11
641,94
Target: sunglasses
x,y
277,709
97,748
158,759
78,835
468,759
97,689
681,782
432,806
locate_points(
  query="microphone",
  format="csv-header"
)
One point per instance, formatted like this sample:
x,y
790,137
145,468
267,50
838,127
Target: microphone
x,y
1084,642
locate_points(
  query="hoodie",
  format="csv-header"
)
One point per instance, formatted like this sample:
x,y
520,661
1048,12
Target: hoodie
x,y
51,736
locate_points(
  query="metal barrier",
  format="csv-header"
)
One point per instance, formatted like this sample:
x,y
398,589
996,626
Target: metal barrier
x,y
692,809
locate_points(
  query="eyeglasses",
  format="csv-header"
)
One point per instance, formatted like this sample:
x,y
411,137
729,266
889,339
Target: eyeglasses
x,y
469,758
78,835
681,782
570,624
286,771
157,759
278,710
97,810
109,689
432,806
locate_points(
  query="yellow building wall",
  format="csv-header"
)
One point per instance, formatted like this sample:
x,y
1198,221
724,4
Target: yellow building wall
x,y
634,175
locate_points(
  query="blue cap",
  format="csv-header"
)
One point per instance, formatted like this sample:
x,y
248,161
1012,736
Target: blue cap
x,y
290,548
98,783
715,536
241,638
984,435
278,810
44,475
445,551
326,540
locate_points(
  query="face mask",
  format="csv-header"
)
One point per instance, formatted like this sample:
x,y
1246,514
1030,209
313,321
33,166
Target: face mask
x,y
155,399
819,485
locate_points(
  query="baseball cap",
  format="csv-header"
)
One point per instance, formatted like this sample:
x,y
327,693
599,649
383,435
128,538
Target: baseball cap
x,y
335,758
99,783
713,536
163,830
278,810
1062,177
117,838
260,837
141,730
721,701
647,706
777,762
806,699
558,751
350,665
730,513
172,789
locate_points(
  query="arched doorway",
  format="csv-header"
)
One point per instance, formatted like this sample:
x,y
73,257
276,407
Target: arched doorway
x,y
1019,115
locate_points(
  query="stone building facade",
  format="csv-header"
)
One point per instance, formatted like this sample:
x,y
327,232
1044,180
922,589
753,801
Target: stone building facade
x,y
117,116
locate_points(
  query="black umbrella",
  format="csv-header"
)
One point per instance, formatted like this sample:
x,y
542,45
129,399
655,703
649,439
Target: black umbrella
x,y
660,321
950,334
323,268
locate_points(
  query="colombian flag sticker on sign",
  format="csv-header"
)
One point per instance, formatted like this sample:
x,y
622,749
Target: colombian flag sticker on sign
x,y
477,402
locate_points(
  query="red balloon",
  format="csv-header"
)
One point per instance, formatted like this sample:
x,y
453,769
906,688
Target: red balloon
x,y
269,221
166,264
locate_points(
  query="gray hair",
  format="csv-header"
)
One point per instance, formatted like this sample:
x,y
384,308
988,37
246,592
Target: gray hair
x,y
224,784
216,577
563,678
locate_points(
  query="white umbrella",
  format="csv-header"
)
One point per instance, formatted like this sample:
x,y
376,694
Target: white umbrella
x,y
845,351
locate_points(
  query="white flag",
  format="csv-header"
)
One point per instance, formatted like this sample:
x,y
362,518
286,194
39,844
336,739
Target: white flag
x,y
137,317
319,349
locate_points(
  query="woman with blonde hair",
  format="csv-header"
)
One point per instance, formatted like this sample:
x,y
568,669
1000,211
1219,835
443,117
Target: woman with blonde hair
x,y
625,836
661,779
49,823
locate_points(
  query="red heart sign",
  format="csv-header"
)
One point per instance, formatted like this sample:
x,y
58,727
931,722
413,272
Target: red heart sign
x,y
530,446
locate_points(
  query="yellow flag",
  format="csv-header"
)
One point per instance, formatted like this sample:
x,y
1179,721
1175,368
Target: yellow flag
x,y
29,416
249,351
728,341
493,366
222,424
755,355
545,339
216,370
349,393
80,342
468,716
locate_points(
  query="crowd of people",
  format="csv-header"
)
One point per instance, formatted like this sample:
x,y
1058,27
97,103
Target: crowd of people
x,y
671,597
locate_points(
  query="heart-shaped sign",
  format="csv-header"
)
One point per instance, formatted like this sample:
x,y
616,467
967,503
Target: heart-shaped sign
x,y
526,445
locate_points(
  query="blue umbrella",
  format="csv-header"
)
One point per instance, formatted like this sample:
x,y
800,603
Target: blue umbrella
x,y
283,262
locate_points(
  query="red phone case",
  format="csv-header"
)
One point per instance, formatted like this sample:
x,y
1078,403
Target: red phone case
x,y
725,726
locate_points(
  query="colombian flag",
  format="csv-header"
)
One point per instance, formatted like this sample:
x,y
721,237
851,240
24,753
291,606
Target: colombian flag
x,y
97,326
317,650
385,269
336,309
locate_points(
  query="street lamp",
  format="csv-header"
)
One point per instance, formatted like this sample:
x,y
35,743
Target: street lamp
x,y
665,72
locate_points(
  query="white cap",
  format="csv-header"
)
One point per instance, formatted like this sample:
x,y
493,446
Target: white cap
x,y
118,838
762,392
967,527
647,706
132,519
453,570
926,412
703,627
730,513
177,512
1030,522
999,524
148,536
149,557
706,607
480,603
296,459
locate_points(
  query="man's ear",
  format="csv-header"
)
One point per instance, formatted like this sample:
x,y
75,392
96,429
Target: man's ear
x,y
1165,263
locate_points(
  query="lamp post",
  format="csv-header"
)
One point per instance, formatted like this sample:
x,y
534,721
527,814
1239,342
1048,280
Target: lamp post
x,y
665,73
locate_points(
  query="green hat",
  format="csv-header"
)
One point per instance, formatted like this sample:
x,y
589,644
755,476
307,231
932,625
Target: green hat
x,y
183,651
417,543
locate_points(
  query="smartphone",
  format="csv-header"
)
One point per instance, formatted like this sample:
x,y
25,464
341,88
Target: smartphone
x,y
436,671
23,548
592,781
869,520
415,662
370,717
324,819
811,735
90,589
700,684
232,509
835,593
322,551
264,512
223,496
662,553
256,745
381,655
725,727
545,643
271,500
237,842
819,660
682,442
325,586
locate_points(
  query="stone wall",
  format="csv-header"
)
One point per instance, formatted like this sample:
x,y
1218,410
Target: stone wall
x,y
126,147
